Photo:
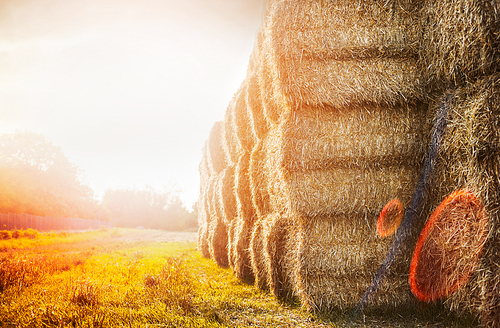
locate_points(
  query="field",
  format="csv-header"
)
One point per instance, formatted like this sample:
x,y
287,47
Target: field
x,y
149,278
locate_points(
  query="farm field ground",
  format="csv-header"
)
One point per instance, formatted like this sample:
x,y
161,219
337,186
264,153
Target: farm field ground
x,y
149,278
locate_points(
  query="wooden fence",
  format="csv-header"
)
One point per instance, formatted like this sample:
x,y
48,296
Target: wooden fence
x,y
47,223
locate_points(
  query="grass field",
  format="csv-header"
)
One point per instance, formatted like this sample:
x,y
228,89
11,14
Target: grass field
x,y
149,278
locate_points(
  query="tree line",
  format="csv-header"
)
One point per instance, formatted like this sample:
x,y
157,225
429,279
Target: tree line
x,y
37,178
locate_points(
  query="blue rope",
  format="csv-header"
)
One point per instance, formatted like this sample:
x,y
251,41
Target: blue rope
x,y
416,204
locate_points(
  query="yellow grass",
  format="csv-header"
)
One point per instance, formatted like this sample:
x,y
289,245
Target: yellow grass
x,y
143,278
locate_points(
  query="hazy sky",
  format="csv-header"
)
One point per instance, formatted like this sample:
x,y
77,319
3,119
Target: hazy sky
x,y
128,88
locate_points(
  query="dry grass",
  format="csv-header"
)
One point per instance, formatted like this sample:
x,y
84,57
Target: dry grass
x,y
136,279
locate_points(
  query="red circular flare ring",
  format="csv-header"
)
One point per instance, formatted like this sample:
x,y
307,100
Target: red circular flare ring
x,y
428,280
390,218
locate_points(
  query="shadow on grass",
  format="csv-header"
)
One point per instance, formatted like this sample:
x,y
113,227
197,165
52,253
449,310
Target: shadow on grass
x,y
405,315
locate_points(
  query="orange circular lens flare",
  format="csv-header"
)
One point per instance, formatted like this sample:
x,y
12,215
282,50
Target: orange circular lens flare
x,y
390,218
449,247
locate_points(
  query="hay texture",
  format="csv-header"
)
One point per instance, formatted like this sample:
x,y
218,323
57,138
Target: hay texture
x,y
449,247
203,214
258,256
333,122
245,219
324,163
470,160
343,53
460,42
217,230
276,231
228,209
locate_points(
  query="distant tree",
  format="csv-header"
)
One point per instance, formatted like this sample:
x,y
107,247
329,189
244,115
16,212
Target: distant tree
x,y
37,178
147,208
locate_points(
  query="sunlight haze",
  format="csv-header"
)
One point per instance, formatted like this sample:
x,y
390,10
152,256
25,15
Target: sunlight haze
x,y
129,89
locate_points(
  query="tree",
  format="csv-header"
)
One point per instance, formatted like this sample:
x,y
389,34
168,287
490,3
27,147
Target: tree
x,y
148,208
37,178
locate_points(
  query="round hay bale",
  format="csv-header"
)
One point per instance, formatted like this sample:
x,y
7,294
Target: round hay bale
x,y
230,143
241,250
242,120
320,163
338,54
275,235
217,237
273,101
216,158
203,240
203,215
203,225
470,159
227,195
257,120
258,181
217,230
449,247
336,258
390,218
460,41
257,256
228,207
245,219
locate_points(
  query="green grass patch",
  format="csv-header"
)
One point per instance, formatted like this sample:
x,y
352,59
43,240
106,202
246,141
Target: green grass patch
x,y
116,279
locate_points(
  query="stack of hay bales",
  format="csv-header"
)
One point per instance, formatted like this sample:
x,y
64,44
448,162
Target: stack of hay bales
x,y
349,138
332,122
216,230
203,215
461,51
470,159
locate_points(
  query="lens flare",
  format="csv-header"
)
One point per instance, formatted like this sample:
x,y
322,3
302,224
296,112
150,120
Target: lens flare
x,y
390,218
449,247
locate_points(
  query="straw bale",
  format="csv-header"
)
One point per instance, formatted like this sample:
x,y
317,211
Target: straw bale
x,y
230,143
203,215
216,157
227,198
226,195
324,162
244,131
461,40
343,53
261,205
258,181
273,100
332,122
336,259
217,236
470,160
276,231
245,219
203,239
257,120
217,230
203,242
203,226
257,255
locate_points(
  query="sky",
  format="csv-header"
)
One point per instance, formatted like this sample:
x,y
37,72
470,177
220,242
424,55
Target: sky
x,y
129,89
